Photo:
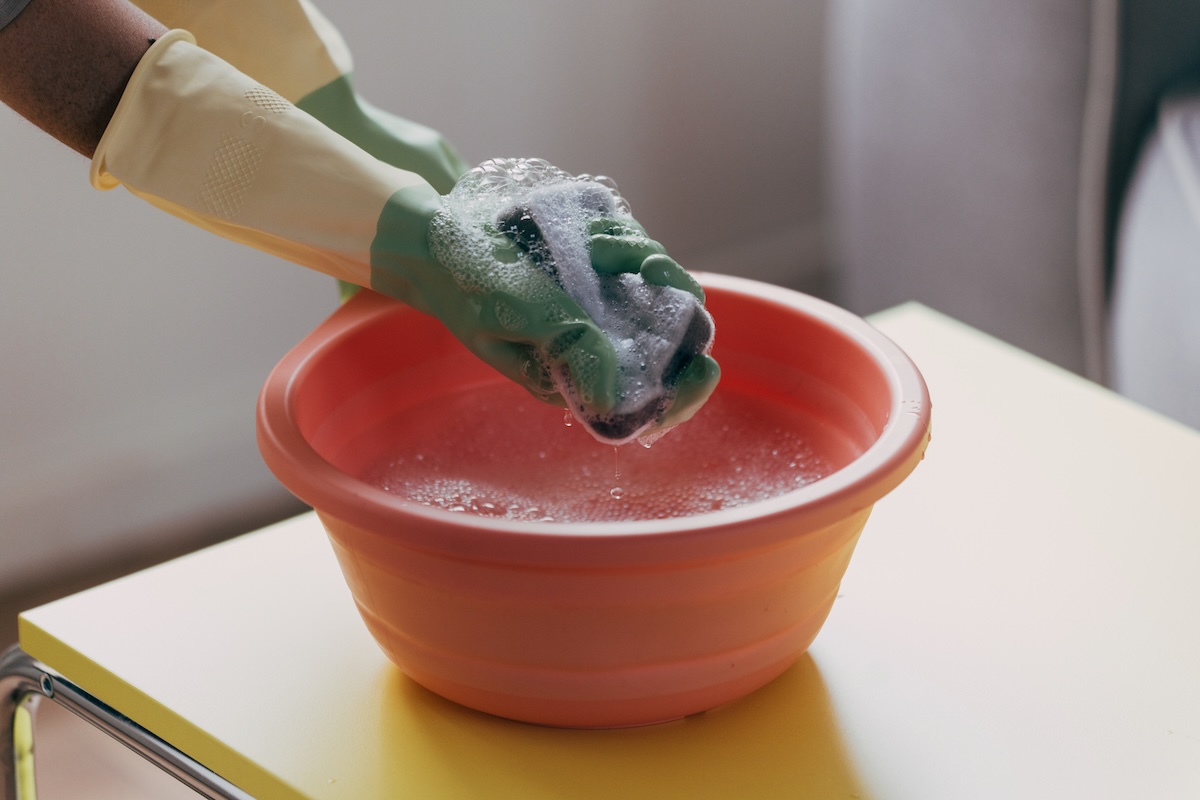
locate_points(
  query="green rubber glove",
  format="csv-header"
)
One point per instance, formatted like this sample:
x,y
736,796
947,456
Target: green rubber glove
x,y
578,301
201,140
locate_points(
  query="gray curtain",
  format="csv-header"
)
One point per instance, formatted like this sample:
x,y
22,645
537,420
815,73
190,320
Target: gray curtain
x,y
980,152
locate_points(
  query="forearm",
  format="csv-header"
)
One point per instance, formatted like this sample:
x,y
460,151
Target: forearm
x,y
65,63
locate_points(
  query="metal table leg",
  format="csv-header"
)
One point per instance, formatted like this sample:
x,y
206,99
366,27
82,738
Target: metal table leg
x,y
24,682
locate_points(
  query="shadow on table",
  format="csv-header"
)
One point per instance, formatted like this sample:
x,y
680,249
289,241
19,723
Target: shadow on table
x,y
779,742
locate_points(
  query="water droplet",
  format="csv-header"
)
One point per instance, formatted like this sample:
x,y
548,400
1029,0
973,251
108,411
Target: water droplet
x,y
646,440
617,492
568,420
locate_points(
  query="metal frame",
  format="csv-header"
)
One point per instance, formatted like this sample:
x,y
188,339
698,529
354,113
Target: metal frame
x,y
24,683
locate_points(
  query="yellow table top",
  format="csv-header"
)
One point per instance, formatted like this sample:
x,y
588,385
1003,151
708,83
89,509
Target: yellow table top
x,y
1018,620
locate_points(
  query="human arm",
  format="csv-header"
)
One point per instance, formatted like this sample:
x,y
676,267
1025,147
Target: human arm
x,y
207,143
201,140
65,63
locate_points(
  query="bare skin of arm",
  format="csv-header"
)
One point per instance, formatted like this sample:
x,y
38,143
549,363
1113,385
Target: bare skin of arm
x,y
64,64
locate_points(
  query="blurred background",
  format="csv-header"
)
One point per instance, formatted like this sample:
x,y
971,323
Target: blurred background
x,y
973,156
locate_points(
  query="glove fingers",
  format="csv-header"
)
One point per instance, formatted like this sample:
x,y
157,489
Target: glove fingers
x,y
662,270
518,362
693,387
625,226
558,338
612,254
623,246
586,356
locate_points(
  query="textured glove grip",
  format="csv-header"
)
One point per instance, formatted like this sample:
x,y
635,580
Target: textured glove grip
x,y
207,143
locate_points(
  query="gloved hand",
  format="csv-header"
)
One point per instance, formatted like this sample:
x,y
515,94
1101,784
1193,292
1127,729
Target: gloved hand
x,y
290,47
208,144
528,239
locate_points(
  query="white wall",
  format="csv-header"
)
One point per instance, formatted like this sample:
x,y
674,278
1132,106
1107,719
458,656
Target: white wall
x,y
957,131
132,346
707,114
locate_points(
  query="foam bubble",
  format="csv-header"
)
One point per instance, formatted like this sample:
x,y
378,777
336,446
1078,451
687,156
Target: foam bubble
x,y
454,456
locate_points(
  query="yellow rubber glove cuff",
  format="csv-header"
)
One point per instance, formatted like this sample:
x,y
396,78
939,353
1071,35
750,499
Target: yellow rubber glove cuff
x,y
205,142
290,46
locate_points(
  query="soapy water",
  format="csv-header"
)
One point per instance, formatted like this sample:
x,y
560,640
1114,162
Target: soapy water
x,y
494,452
550,216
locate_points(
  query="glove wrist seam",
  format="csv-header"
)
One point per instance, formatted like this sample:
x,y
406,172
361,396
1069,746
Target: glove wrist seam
x,y
98,174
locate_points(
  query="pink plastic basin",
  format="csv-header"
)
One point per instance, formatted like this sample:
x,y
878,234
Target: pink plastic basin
x,y
601,624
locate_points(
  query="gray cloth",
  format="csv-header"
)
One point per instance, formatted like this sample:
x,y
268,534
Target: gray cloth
x,y
954,172
959,175
9,9
1159,54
